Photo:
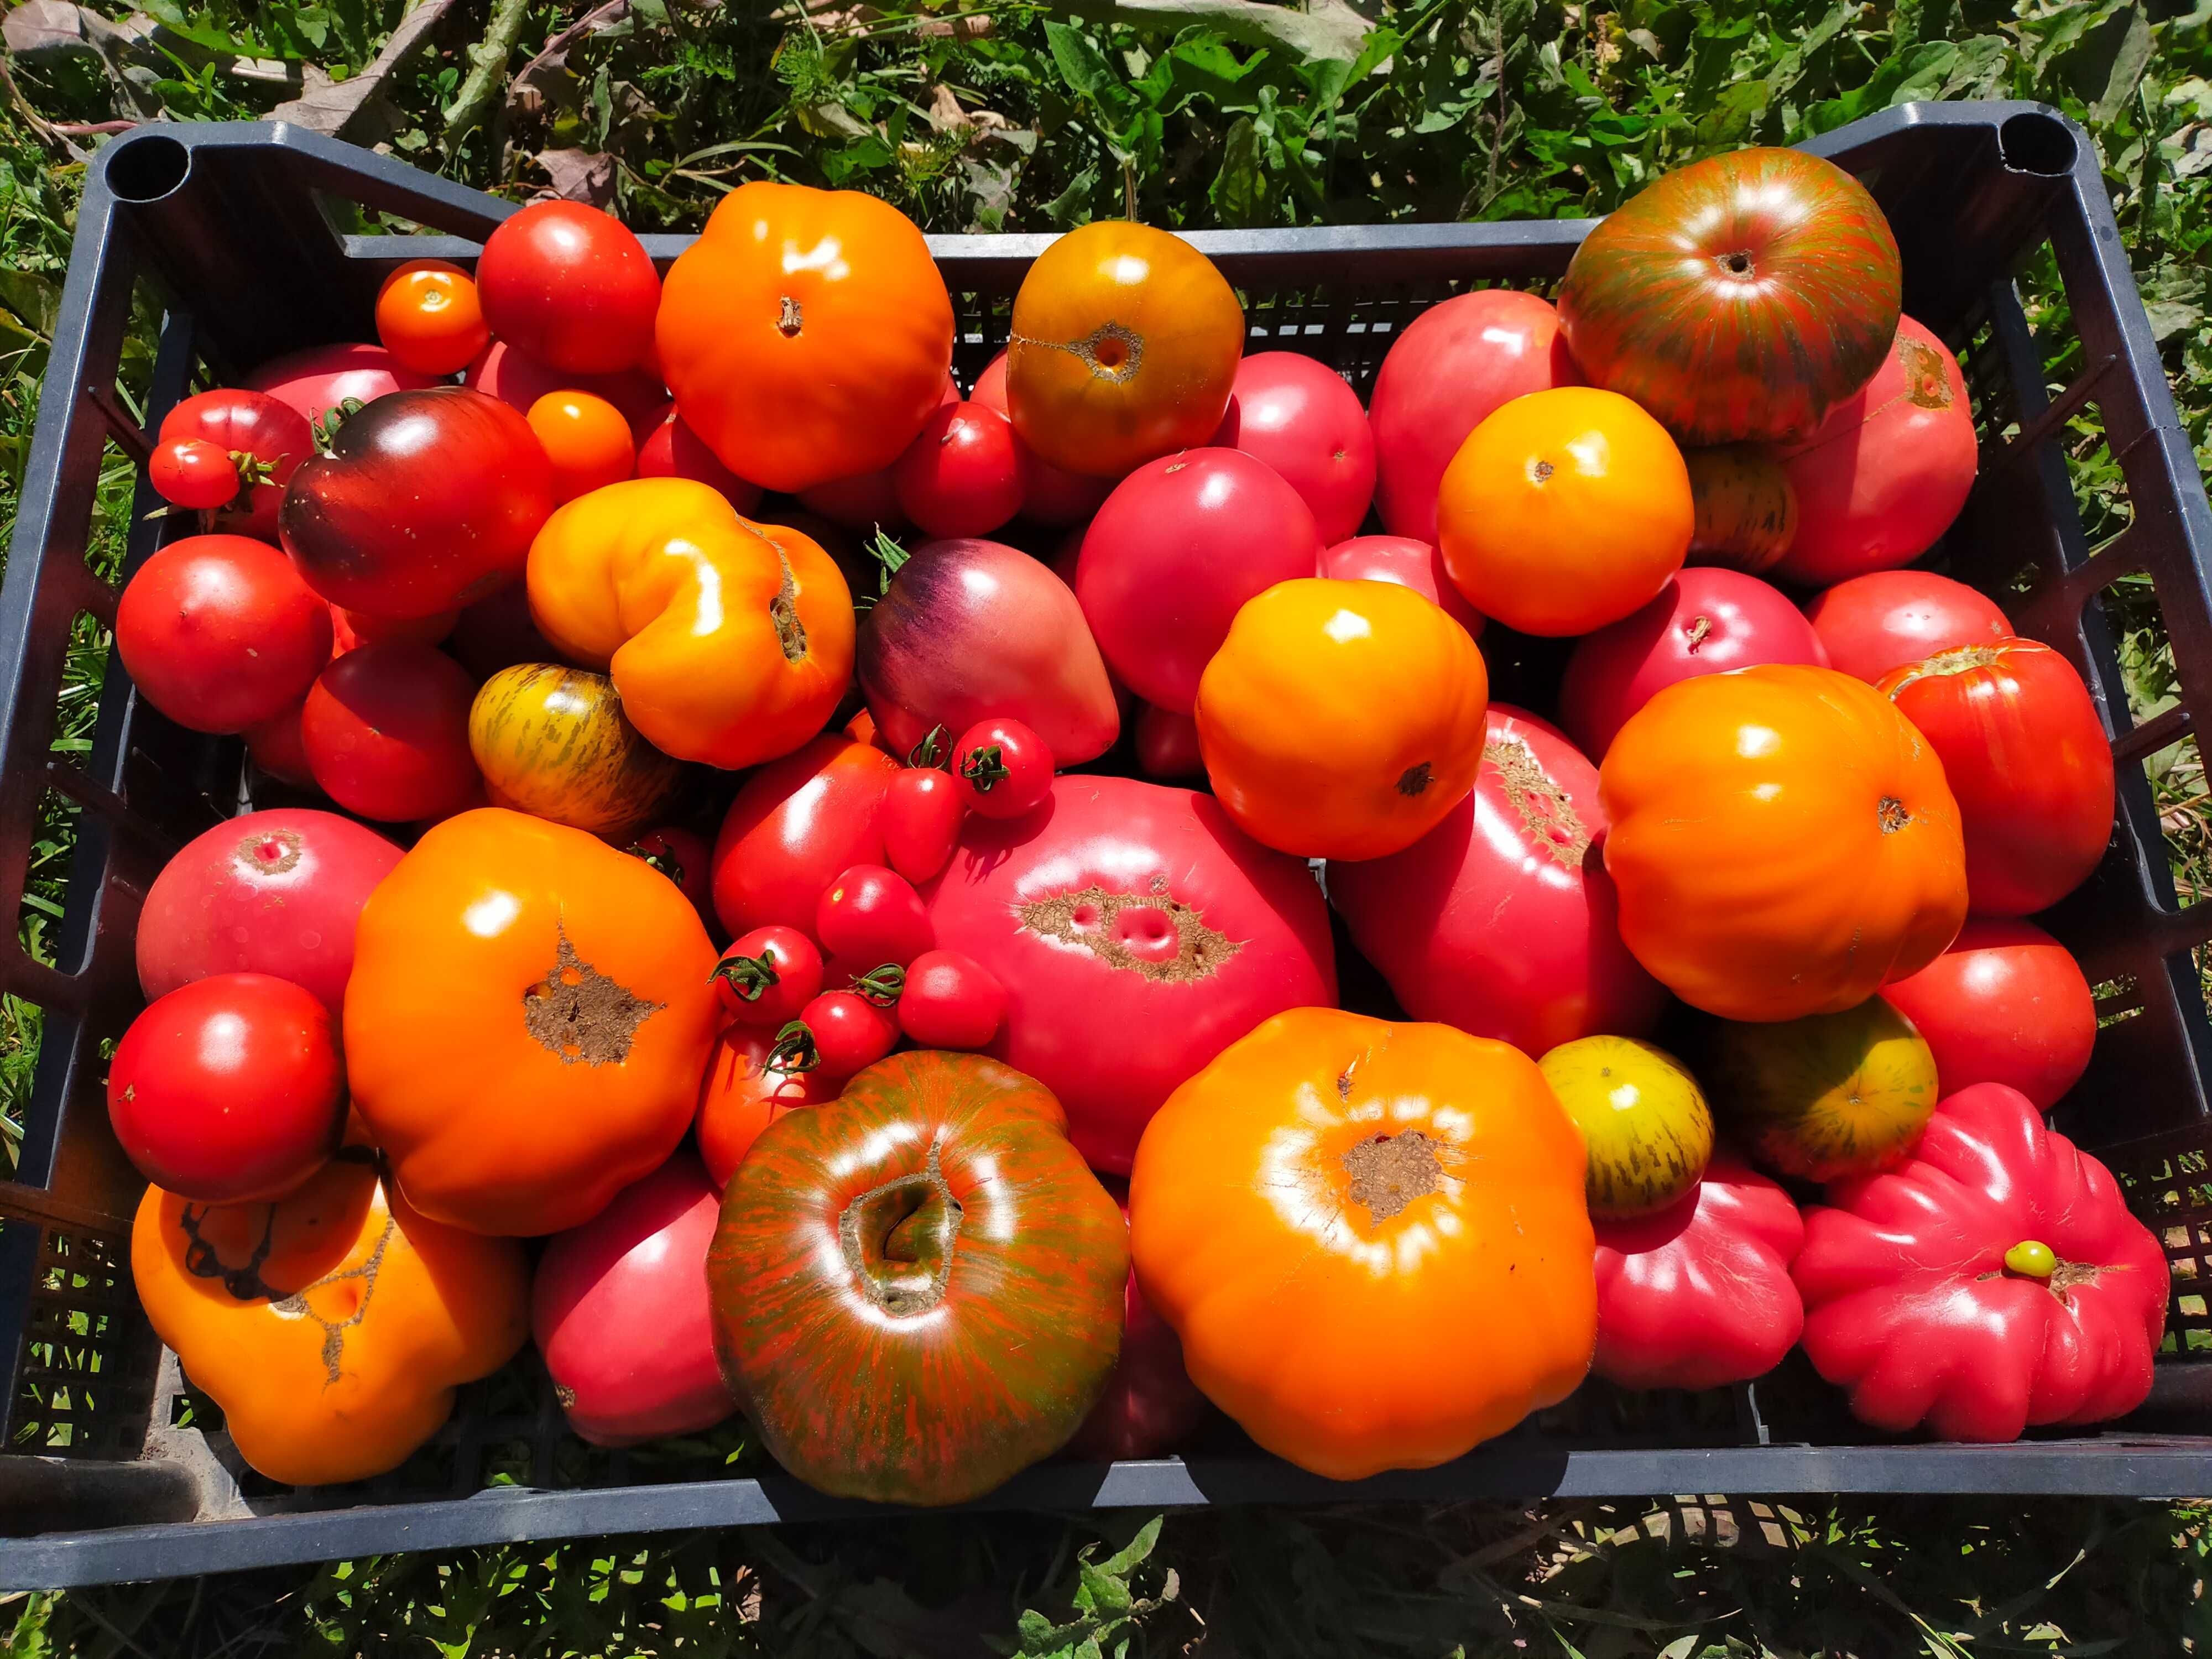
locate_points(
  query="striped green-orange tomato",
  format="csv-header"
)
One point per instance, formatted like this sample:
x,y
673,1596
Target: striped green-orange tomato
x,y
553,741
918,1286
1643,1120
1827,1096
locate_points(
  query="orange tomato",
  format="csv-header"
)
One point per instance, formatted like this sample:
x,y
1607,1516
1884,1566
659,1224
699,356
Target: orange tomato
x,y
729,642
1371,1238
1125,341
1342,720
1564,511
428,318
527,1022
585,438
1783,841
331,1326
742,1094
806,334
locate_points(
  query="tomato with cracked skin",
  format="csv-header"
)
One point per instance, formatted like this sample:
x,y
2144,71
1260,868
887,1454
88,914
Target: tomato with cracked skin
x,y
1138,932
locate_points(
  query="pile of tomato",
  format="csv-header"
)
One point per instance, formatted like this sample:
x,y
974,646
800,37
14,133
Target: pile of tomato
x,y
817,894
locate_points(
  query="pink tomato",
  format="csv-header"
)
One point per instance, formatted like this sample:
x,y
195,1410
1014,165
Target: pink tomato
x,y
1409,563
1454,364
1180,545
1888,619
962,475
1297,414
1706,620
1501,921
321,378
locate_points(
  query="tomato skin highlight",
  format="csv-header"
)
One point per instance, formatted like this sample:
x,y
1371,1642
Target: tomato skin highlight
x,y
2005,1004
922,814
1893,618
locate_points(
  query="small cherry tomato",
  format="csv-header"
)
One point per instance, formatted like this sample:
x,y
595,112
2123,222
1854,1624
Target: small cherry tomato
x,y
839,1033
192,472
950,1002
682,856
963,476
428,317
871,915
2032,1259
587,439
1003,767
767,976
230,1089
743,1092
572,285
922,814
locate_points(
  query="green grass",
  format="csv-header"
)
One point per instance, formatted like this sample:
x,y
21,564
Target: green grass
x,y
1002,114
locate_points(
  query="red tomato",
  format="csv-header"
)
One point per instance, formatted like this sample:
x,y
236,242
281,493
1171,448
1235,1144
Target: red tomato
x,y
219,632
1167,744
1050,495
962,475
351,629
263,441
1297,415
797,825
276,892
277,747
674,451
1455,363
1888,619
682,856
585,438
950,1002
870,914
2005,1004
839,1033
1151,1405
192,472
767,977
1002,769
427,315
2025,753
317,380
1409,563
229,1090
1181,544
571,285
744,1092
497,632
922,812
386,728
1706,620
518,380
868,501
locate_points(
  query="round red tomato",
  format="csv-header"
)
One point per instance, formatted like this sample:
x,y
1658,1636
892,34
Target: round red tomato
x,y
1409,563
922,813
950,1002
767,976
1501,921
797,825
263,441
219,632
1180,545
1050,495
518,380
839,1033
962,475
192,472
1889,619
572,285
744,1090
321,378
275,746
386,728
1706,620
1002,769
2005,1004
1454,364
674,451
1167,744
2025,753
276,892
229,1090
1888,468
1297,415
871,915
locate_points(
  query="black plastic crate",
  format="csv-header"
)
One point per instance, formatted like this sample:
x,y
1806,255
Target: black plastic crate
x,y
236,228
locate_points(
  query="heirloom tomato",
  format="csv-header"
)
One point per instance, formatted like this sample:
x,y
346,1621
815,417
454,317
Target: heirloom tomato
x,y
571,285
2025,752
1782,840
918,1287
729,642
1742,296
1890,619
1317,1211
1564,511
1179,546
1341,720
746,1089
219,632
554,741
528,1017
1698,1295
806,334
1297,414
386,731
1124,348
1643,1119
1825,1097
429,317
767,975
1502,920
2005,1004
331,1327
796,825
1455,365
262,441
1409,563
1923,1298
620,1310
1745,507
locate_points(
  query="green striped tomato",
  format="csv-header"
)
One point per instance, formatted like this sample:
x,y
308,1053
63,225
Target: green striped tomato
x,y
553,741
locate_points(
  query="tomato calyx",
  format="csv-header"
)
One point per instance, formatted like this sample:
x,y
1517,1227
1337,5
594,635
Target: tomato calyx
x,y
794,1050
664,859
327,429
932,753
748,976
985,767
882,986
